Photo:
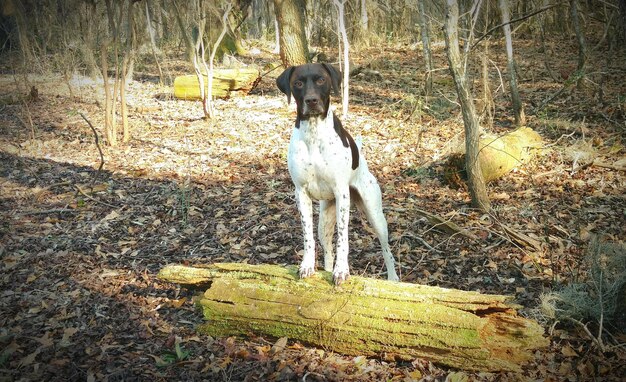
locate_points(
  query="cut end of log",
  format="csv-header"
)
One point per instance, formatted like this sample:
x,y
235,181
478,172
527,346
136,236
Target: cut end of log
x,y
498,155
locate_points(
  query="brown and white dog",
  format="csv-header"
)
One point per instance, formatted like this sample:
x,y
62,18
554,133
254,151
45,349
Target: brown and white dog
x,y
325,164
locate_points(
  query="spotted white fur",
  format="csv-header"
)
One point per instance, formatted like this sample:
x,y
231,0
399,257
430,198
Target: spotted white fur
x,y
321,169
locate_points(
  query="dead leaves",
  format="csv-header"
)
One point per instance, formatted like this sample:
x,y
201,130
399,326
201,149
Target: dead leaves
x,y
79,293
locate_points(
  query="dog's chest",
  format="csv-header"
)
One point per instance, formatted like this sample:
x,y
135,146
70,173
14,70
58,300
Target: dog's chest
x,y
317,159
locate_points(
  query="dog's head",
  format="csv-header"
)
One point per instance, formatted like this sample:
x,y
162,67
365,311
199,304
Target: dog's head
x,y
310,85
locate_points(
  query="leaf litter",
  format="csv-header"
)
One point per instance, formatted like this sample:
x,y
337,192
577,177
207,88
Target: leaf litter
x,y
79,295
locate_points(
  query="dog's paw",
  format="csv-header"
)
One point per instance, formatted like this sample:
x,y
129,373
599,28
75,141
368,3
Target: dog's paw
x,y
306,272
340,276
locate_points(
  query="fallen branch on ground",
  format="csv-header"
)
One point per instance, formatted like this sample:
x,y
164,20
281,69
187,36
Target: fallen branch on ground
x,y
224,82
364,316
445,225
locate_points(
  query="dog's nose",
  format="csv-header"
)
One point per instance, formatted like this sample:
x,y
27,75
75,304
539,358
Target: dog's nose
x,y
311,101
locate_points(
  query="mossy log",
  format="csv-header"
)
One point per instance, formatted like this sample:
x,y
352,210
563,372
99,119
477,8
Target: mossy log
x,y
499,154
465,330
225,81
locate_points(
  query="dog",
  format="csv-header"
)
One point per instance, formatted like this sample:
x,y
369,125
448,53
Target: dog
x,y
326,165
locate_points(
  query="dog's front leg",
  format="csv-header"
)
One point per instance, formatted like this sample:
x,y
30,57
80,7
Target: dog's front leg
x,y
342,203
326,231
305,206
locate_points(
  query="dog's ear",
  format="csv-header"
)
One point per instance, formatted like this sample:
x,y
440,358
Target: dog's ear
x,y
283,82
335,76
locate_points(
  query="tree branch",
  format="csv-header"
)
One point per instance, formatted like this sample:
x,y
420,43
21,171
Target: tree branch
x,y
531,14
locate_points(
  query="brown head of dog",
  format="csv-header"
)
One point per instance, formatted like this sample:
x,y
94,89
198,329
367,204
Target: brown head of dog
x,y
310,85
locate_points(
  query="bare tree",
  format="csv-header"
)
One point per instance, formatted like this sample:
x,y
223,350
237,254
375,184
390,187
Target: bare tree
x,y
123,66
294,49
151,33
364,17
346,61
488,109
428,57
209,110
580,37
182,26
518,108
109,126
622,23
476,182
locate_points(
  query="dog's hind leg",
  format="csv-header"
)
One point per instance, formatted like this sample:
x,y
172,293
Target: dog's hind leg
x,y
368,199
326,230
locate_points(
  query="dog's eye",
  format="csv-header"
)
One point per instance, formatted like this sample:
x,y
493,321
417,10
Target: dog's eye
x,y
320,81
298,84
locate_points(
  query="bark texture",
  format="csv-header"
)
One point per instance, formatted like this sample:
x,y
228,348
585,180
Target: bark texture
x,y
364,316
428,57
475,180
518,108
294,49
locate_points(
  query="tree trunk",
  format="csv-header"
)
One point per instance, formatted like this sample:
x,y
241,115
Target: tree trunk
x,y
151,35
208,96
345,85
428,57
547,53
475,180
294,49
580,37
187,38
488,107
364,17
23,34
123,104
622,12
518,108
88,48
108,107
364,316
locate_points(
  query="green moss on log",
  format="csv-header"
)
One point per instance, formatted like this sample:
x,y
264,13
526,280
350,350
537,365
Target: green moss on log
x,y
466,330
224,82
498,154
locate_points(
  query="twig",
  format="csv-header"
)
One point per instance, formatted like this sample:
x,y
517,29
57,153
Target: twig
x,y
312,373
80,190
521,18
30,124
568,84
424,243
557,141
45,212
520,238
607,165
445,225
95,133
595,340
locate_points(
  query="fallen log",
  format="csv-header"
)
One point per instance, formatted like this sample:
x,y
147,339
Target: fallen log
x,y
498,154
465,330
225,81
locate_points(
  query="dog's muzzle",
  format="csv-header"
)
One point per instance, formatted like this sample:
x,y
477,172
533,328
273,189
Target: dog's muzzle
x,y
312,107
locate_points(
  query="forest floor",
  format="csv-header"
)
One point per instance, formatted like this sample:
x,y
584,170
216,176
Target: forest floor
x,y
80,248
